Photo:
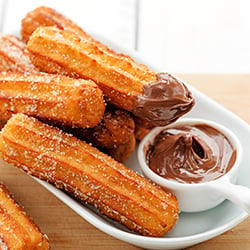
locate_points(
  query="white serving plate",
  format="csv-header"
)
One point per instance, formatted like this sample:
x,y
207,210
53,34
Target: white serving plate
x,y
191,228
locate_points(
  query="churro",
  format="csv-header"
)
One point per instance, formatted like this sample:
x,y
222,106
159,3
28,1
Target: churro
x,y
57,99
159,98
91,176
17,230
45,16
14,56
122,152
115,128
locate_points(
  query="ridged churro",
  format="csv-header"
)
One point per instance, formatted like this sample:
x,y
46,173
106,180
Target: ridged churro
x,y
14,56
115,128
93,177
45,16
158,98
114,134
17,230
57,99
122,152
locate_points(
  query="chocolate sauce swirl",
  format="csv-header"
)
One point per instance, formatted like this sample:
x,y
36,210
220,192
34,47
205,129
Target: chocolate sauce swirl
x,y
191,154
163,101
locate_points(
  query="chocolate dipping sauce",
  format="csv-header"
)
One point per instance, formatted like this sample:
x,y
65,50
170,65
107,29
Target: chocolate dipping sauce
x,y
191,154
163,101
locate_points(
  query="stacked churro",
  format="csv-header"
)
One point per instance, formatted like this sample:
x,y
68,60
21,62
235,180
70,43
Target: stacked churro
x,y
91,176
60,99
57,45
60,76
14,56
17,230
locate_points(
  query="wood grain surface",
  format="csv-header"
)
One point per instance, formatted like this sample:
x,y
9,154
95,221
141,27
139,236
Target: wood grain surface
x,y
67,230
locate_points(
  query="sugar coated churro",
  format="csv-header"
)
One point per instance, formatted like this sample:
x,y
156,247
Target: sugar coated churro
x,y
159,98
14,56
17,230
58,99
90,175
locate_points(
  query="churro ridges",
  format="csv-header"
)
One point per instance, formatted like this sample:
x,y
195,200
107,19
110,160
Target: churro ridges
x,y
89,174
158,98
114,134
14,56
58,99
91,62
44,16
10,233
17,230
115,128
73,165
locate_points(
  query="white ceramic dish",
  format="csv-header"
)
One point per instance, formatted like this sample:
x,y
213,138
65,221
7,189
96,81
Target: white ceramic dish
x,y
192,228
197,197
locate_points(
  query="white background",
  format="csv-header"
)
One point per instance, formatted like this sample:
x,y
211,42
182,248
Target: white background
x,y
179,36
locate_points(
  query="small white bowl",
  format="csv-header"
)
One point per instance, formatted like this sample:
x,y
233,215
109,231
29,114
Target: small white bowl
x,y
196,197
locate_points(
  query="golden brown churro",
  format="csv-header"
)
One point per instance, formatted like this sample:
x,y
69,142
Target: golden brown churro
x,y
58,99
90,175
4,117
14,56
115,128
140,132
17,230
122,152
113,135
44,16
158,98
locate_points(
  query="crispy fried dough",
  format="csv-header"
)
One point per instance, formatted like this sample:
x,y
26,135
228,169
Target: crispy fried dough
x,y
157,98
4,117
118,75
115,128
17,230
44,16
126,84
59,99
92,176
122,152
114,135
14,56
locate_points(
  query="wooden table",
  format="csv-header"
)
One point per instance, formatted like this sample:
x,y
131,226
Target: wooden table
x,y
67,230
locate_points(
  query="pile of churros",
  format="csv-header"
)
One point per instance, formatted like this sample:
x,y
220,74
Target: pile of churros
x,y
71,110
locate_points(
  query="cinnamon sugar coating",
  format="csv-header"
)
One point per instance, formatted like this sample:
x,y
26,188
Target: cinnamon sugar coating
x,y
59,99
88,174
44,16
58,45
114,134
62,52
14,56
17,230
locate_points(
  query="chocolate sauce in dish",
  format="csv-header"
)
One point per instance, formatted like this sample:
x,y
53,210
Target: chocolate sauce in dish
x,y
191,154
163,101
